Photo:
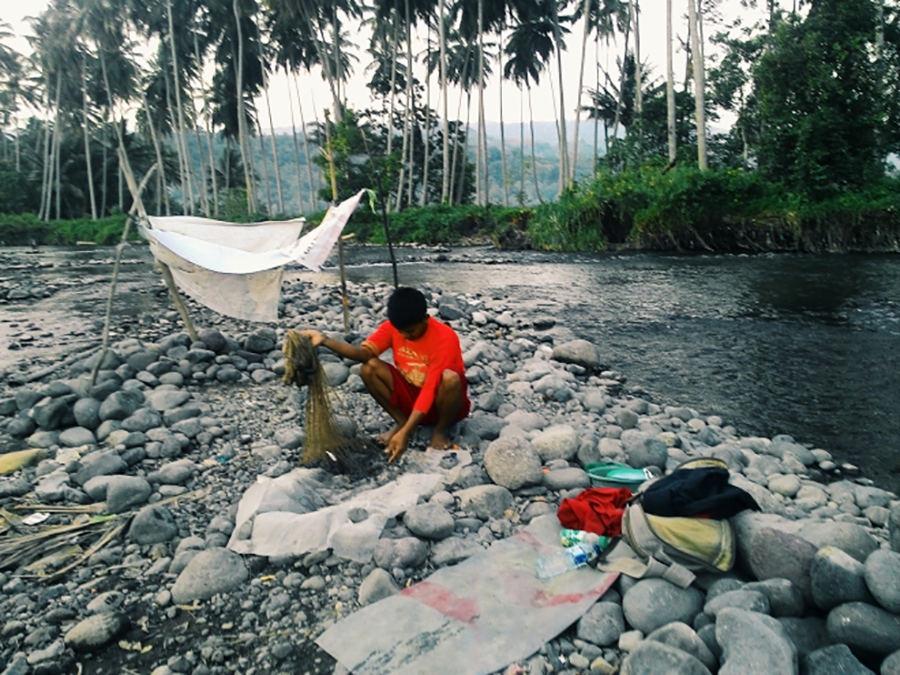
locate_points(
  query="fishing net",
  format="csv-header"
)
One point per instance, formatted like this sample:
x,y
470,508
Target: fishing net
x,y
326,444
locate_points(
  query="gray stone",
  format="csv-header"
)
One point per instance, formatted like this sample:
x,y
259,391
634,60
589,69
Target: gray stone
x,y
849,537
74,437
106,428
655,658
87,413
833,660
556,442
52,487
431,521
404,552
290,438
882,574
189,427
894,527
867,495
141,359
21,426
773,554
785,599
126,492
754,643
213,571
17,486
837,578
485,427
752,601
567,479
105,602
152,525
143,419
121,404
602,624
167,399
213,339
582,352
337,373
681,636
96,631
891,665
43,439
485,501
453,550
513,463
260,341
653,603
866,628
525,420
627,419
807,634
178,472
644,449
99,463
379,584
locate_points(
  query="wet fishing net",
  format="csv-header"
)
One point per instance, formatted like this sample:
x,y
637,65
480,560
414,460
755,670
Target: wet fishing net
x,y
326,444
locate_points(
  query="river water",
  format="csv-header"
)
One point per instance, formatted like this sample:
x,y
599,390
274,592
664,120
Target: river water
x,y
805,345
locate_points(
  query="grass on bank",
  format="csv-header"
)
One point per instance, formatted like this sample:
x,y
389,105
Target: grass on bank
x,y
684,209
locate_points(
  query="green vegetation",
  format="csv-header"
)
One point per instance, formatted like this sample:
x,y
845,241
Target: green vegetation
x,y
20,230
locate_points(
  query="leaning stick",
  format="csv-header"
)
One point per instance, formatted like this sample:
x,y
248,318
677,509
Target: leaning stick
x,y
345,303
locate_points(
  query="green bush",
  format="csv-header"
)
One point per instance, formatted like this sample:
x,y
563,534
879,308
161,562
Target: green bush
x,y
19,230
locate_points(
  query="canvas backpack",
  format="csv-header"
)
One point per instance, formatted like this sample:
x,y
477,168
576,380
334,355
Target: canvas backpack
x,y
675,547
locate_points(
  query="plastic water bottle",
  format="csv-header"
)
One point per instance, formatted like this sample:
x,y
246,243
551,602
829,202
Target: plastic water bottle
x,y
567,559
569,537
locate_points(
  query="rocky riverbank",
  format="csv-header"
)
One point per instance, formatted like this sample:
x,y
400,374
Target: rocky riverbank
x,y
115,553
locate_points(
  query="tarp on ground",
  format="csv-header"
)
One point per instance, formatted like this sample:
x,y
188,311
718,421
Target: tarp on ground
x,y
472,618
236,269
290,515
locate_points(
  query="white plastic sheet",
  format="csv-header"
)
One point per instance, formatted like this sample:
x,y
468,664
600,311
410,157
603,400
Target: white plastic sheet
x,y
469,619
287,516
236,269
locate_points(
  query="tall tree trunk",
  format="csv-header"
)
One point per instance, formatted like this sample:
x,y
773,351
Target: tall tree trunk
x,y
670,86
199,131
563,139
122,155
103,185
57,139
392,98
242,121
411,108
175,79
87,140
43,212
265,164
521,199
297,169
309,176
210,140
453,168
537,187
619,100
638,78
274,144
586,12
461,182
502,131
405,154
162,187
179,151
699,84
445,179
427,138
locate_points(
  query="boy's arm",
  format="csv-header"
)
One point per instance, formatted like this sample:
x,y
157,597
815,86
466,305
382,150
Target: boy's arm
x,y
342,349
399,442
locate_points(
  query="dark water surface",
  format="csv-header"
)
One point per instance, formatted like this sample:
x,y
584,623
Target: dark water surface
x,y
806,345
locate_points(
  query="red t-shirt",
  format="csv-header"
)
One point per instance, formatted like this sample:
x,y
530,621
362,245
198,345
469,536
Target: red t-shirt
x,y
422,361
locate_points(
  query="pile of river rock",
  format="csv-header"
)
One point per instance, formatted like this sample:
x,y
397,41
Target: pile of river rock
x,y
172,433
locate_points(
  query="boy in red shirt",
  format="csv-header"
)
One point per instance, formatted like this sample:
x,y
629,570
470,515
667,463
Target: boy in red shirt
x,y
427,385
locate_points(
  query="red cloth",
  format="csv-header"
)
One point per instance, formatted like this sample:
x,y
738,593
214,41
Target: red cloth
x,y
597,510
404,396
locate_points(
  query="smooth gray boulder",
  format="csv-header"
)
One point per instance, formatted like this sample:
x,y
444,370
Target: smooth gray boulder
x,y
404,552
99,463
773,554
152,525
215,570
126,492
486,501
681,636
74,437
752,601
865,628
644,449
557,442
753,643
882,575
581,352
849,537
121,404
655,658
785,599
653,603
431,521
96,631
513,463
833,660
602,624
377,586
837,578
87,413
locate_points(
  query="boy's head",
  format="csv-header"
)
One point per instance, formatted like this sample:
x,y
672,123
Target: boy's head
x,y
407,311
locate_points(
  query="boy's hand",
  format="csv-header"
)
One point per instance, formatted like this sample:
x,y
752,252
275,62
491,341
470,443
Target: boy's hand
x,y
315,337
397,446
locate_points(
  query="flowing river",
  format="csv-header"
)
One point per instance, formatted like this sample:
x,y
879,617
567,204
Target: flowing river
x,y
805,345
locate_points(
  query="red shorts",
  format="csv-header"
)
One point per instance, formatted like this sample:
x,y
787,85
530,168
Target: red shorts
x,y
404,396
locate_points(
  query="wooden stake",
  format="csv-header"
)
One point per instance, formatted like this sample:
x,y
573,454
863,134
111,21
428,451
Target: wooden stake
x,y
345,303
176,297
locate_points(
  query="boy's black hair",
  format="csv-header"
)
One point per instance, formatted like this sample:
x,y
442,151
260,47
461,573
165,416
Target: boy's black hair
x,y
406,307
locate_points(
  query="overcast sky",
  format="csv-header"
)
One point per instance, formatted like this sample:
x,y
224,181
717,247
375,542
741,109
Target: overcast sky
x,y
315,92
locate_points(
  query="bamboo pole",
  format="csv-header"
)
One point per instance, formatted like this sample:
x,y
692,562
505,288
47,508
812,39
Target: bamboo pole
x,y
345,303
176,297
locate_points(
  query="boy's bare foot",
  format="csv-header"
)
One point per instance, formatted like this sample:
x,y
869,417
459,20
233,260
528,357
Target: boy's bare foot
x,y
439,441
386,437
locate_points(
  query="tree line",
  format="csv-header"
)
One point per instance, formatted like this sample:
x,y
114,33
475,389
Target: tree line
x,y
178,91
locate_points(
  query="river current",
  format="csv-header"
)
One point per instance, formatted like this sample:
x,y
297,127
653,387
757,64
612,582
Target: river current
x,y
805,345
